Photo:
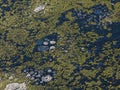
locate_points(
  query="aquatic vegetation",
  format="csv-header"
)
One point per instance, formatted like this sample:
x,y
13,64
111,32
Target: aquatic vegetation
x,y
62,45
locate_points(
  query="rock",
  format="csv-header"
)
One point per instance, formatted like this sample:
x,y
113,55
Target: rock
x,y
33,75
40,72
36,72
11,77
25,71
38,76
82,48
40,8
16,86
52,42
6,75
65,51
28,75
52,47
45,43
41,82
32,78
46,78
31,72
49,70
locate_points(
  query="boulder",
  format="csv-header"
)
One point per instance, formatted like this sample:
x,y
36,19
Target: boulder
x,y
16,86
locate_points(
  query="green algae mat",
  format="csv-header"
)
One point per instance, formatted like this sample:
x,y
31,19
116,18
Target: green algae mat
x,y
60,44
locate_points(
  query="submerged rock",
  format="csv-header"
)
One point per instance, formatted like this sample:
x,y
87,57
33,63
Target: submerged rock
x,y
16,86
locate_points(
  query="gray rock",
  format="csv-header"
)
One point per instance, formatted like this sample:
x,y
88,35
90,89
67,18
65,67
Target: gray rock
x,y
52,42
40,72
66,51
11,77
31,72
49,70
46,78
6,75
45,43
28,75
38,76
32,78
52,47
36,73
16,86
40,8
82,48
25,71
